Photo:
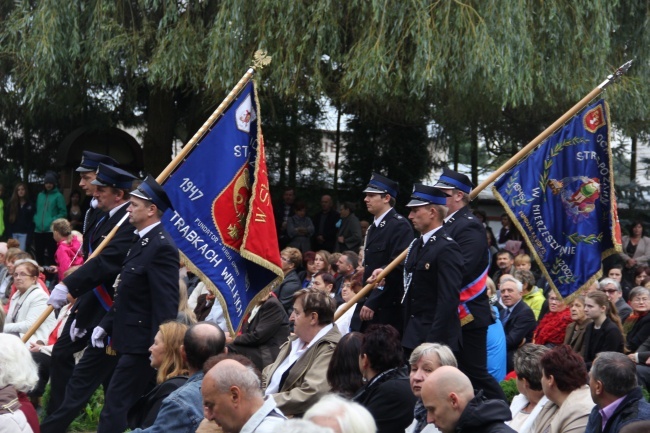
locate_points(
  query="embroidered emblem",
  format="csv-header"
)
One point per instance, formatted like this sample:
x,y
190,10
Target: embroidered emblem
x,y
383,223
145,241
427,266
245,114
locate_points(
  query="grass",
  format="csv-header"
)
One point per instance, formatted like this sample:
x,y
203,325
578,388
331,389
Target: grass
x,y
89,418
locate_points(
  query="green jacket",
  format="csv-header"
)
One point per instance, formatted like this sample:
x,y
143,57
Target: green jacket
x,y
50,205
535,299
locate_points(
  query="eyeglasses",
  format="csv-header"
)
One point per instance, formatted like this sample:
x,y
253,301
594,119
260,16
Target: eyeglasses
x,y
21,275
640,300
610,291
284,259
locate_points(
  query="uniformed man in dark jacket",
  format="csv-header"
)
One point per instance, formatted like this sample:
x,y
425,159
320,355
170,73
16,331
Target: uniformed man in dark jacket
x,y
92,286
432,275
146,295
75,334
475,313
388,235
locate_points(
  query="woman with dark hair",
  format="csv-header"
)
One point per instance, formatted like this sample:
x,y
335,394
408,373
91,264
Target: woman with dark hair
x,y
172,373
640,274
564,381
309,269
75,212
343,373
636,246
387,394
20,215
605,333
637,325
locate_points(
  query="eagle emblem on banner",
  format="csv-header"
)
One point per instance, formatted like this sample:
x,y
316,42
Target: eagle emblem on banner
x,y
230,208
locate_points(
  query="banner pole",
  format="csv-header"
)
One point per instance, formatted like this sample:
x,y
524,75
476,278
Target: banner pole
x,y
550,130
260,61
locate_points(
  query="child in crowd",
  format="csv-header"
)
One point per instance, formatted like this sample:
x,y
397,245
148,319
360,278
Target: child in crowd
x,y
68,247
522,261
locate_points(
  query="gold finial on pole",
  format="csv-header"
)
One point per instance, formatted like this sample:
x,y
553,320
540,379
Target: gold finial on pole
x,y
261,59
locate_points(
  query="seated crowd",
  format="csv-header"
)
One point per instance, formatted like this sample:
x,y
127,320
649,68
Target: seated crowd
x,y
577,366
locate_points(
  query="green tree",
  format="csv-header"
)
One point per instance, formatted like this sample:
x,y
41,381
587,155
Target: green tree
x,y
487,69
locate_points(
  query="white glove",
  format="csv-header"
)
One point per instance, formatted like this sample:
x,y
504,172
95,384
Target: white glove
x,y
97,339
58,297
76,332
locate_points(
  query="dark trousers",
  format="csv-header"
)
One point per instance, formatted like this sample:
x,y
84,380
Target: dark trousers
x,y
62,365
42,242
133,377
94,369
43,361
472,361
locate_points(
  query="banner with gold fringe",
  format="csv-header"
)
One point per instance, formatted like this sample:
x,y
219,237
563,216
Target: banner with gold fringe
x,y
561,198
223,220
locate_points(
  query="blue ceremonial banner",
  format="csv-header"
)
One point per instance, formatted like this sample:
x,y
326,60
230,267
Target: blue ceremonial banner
x,y
561,198
220,196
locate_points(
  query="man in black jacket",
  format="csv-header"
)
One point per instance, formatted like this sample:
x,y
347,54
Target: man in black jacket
x,y
433,271
453,407
92,285
386,238
325,226
146,295
474,313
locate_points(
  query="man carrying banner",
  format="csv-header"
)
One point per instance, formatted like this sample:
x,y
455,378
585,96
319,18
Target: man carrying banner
x,y
146,295
432,275
474,312
388,235
88,172
92,284
71,340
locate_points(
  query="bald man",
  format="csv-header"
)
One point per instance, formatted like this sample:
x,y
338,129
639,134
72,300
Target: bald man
x,y
233,398
451,405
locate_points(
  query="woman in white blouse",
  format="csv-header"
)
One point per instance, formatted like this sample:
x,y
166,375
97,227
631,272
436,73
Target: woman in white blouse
x,y
28,303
